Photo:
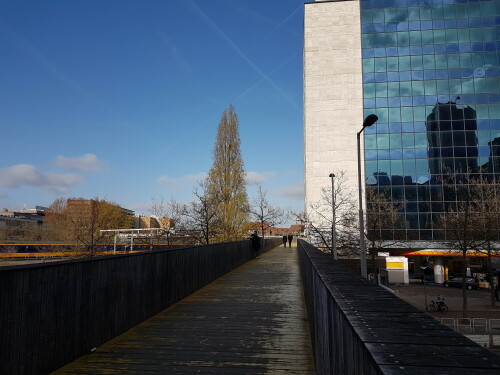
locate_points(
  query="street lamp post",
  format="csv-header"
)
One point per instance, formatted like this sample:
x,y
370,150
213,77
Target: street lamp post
x,y
369,121
423,280
334,219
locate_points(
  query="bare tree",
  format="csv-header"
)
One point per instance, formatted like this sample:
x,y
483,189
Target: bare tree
x,y
264,212
170,216
383,223
485,203
460,223
201,213
342,202
81,220
22,230
56,219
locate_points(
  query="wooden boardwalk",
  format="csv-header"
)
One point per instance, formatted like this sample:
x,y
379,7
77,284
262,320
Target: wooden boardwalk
x,y
250,321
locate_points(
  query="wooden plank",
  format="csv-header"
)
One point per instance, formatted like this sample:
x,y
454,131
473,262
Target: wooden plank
x,y
51,313
251,321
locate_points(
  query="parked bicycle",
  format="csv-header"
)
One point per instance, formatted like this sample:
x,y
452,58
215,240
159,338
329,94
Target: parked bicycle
x,y
438,306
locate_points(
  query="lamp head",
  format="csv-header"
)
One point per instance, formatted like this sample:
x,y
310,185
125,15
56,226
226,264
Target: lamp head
x,y
331,175
370,120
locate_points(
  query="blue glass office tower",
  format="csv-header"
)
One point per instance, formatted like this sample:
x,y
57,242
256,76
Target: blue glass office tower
x,y
431,75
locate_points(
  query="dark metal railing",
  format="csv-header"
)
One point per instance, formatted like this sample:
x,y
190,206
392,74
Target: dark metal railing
x,y
52,313
360,328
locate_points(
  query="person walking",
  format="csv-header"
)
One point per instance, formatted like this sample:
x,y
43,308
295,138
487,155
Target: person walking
x,y
290,237
284,240
255,244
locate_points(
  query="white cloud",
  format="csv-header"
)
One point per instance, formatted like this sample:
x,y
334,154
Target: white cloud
x,y
252,178
26,174
181,62
141,208
84,163
255,178
165,180
190,179
292,192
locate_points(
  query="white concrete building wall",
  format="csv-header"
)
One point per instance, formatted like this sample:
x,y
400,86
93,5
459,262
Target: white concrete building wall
x,y
333,95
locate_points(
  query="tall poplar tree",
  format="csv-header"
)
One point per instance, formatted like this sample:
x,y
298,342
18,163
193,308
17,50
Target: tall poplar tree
x,y
226,181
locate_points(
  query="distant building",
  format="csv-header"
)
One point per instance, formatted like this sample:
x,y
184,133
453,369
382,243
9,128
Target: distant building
x,y
256,226
37,213
296,229
89,210
452,140
18,225
145,222
85,204
166,222
493,163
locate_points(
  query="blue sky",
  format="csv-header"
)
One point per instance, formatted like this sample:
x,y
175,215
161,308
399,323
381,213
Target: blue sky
x,y
121,99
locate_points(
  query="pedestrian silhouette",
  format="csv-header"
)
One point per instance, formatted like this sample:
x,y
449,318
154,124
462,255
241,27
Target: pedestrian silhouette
x,y
255,244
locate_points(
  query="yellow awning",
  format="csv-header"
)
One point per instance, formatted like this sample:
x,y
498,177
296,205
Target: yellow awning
x,y
452,253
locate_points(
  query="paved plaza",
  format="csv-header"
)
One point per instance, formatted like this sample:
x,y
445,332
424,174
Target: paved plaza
x,y
479,301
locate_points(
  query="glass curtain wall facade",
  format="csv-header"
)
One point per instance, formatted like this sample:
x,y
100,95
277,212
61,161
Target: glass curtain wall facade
x,y
431,75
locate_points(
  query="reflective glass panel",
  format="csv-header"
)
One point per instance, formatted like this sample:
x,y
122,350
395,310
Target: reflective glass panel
x,y
434,83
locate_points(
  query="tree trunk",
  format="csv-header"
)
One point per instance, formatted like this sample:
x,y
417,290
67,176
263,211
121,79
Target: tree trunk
x,y
490,273
464,289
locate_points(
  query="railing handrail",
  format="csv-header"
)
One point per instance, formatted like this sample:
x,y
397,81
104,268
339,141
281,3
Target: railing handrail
x,y
54,312
359,328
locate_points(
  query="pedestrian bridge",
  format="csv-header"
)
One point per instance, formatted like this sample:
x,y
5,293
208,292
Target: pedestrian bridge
x,y
250,321
215,310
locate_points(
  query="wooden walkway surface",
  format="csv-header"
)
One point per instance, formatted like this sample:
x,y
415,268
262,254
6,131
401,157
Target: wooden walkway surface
x,y
250,321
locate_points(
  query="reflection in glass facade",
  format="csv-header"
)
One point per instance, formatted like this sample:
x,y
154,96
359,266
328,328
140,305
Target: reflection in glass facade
x,y
431,75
